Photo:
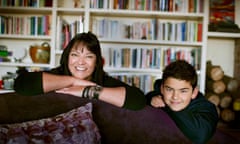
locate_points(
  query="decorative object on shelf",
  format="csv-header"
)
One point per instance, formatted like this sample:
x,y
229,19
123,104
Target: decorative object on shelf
x,y
18,54
8,80
4,54
224,27
221,11
221,16
78,4
40,54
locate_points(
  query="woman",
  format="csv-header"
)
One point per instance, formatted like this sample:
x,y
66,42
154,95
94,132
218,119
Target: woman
x,y
81,74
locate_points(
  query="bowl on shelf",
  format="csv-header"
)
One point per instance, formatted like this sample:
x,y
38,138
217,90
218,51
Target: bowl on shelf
x,y
40,54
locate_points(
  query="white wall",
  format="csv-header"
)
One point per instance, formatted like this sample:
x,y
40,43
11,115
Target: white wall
x,y
221,52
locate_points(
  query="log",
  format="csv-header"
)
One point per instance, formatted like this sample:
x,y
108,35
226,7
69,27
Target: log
x,y
227,115
225,100
231,83
213,98
214,72
236,104
216,86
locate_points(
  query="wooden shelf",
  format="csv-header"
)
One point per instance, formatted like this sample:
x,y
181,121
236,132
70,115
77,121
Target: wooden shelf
x,y
223,35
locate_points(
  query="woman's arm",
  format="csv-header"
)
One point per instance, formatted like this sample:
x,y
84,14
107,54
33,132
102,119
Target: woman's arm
x,y
113,95
52,82
114,92
33,83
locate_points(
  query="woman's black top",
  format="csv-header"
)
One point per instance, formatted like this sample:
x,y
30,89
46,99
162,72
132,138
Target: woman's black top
x,y
30,83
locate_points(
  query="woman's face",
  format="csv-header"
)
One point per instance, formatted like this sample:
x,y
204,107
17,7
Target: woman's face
x,y
81,62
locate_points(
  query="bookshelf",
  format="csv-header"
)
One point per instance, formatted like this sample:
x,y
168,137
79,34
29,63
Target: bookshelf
x,y
153,34
22,25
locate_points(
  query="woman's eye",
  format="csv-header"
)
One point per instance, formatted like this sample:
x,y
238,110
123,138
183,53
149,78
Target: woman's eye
x,y
73,54
89,56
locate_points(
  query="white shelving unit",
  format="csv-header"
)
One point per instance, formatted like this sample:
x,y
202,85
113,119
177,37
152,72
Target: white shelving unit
x,y
66,10
223,35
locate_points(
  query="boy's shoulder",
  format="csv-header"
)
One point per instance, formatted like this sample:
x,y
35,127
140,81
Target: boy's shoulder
x,y
201,101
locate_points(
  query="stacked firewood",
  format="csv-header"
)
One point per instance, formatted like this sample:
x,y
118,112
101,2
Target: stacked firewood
x,y
221,90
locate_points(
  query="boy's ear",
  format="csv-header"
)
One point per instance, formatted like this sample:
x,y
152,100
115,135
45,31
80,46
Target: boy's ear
x,y
195,92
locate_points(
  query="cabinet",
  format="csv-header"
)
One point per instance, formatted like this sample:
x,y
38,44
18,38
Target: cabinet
x,y
138,38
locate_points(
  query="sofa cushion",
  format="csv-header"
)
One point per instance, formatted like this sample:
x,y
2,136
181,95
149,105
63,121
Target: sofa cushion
x,y
75,127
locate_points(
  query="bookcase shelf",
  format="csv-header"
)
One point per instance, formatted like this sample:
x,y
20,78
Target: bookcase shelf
x,y
15,64
223,35
86,12
29,37
149,42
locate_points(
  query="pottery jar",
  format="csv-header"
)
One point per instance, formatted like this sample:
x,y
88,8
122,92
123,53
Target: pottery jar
x,y
40,54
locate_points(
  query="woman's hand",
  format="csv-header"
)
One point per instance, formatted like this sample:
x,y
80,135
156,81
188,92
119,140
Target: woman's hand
x,y
73,90
157,102
80,82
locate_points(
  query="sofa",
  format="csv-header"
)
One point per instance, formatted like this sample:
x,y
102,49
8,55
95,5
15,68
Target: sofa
x,y
104,123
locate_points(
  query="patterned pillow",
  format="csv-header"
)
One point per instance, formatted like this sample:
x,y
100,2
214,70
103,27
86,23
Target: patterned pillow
x,y
75,126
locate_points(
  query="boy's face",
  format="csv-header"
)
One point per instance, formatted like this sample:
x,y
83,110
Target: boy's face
x,y
177,94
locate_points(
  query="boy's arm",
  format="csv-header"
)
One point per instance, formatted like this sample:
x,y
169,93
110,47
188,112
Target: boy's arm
x,y
150,95
155,92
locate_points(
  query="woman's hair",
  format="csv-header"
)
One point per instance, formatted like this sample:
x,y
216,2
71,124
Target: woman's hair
x,y
182,70
92,43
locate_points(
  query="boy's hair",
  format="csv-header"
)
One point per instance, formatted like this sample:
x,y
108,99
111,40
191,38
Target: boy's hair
x,y
182,70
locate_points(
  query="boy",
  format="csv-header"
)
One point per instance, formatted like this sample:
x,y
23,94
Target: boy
x,y
178,95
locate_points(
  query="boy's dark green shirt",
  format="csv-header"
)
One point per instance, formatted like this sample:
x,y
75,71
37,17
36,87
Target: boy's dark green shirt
x,y
198,121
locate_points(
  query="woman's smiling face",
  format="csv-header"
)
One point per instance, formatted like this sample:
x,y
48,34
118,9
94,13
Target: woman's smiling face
x,y
81,62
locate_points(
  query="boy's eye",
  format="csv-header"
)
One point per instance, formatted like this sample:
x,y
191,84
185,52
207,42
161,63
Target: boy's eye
x,y
168,89
184,91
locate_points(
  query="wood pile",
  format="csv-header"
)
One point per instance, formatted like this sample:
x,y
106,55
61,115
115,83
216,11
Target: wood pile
x,y
222,90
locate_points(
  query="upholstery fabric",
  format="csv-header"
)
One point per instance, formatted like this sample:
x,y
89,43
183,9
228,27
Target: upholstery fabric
x,y
116,125
73,127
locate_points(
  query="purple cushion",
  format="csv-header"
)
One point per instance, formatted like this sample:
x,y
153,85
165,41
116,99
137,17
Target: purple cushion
x,y
147,126
75,127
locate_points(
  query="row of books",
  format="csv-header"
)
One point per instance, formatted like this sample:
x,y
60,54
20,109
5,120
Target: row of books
x,y
142,81
26,3
151,29
66,31
192,6
99,4
25,25
152,58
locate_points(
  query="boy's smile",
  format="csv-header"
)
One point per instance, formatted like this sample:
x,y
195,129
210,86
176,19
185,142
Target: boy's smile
x,y
177,94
